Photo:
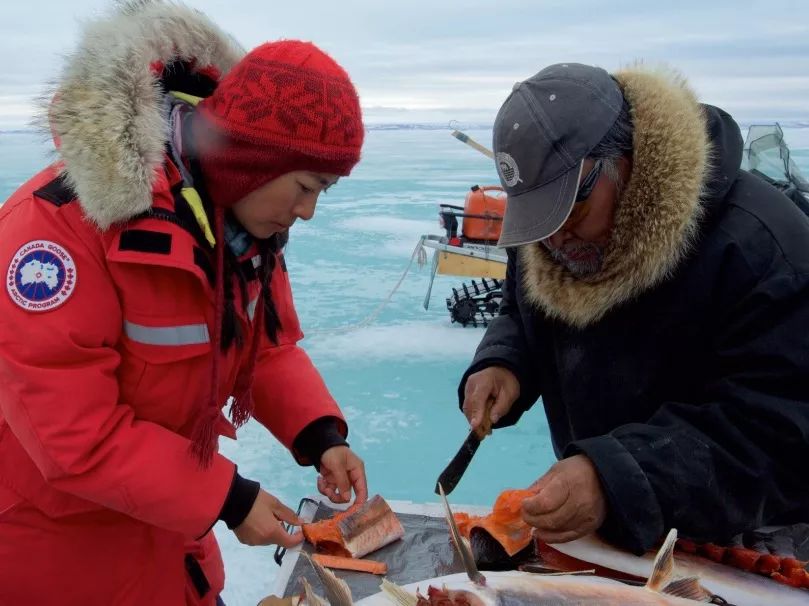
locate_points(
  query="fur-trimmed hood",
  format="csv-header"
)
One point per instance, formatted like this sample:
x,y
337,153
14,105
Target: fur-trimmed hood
x,y
675,170
108,112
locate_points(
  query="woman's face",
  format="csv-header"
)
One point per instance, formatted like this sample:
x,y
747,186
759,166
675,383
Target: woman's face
x,y
276,205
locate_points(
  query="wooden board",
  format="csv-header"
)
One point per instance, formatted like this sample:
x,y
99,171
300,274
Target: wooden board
x,y
459,265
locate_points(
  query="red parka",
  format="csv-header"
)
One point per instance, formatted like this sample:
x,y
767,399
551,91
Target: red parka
x,y
105,340
105,358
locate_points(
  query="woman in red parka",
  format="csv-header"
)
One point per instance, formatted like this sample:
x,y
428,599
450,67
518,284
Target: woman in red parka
x,y
145,288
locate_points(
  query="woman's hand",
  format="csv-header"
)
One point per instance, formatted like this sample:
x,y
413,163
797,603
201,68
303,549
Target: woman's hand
x,y
340,471
264,524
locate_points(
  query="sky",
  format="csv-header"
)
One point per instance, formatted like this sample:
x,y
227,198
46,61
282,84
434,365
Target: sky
x,y
437,61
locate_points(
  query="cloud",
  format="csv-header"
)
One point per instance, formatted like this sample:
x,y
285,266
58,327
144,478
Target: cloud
x,y
16,111
433,61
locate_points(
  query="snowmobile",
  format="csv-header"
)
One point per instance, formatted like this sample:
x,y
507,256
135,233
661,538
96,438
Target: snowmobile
x,y
469,248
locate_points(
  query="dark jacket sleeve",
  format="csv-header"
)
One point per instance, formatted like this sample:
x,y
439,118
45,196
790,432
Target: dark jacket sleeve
x,y
733,459
241,497
504,344
316,438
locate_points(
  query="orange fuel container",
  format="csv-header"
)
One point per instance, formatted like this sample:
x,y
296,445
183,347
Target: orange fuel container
x,y
488,203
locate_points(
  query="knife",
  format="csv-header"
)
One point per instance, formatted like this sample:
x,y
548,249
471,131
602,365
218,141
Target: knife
x,y
450,477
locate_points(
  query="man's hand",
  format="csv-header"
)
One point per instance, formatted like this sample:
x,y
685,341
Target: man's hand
x,y
340,470
569,503
263,525
488,396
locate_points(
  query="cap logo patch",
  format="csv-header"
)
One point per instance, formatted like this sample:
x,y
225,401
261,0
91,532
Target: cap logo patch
x,y
41,276
508,169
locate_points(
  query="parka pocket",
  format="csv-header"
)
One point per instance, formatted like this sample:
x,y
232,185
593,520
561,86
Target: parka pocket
x,y
165,367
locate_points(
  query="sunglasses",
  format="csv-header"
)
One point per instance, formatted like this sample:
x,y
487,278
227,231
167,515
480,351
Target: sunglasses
x,y
589,182
580,207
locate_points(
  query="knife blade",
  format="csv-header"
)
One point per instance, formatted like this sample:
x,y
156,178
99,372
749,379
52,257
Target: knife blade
x,y
450,477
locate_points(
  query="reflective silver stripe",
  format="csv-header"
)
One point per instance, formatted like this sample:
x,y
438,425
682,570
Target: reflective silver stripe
x,y
251,308
188,334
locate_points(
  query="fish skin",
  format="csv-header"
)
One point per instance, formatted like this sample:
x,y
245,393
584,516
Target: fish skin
x,y
356,532
513,588
371,527
736,586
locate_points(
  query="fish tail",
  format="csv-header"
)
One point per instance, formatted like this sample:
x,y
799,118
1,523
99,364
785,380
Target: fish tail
x,y
664,564
461,544
397,595
337,592
312,599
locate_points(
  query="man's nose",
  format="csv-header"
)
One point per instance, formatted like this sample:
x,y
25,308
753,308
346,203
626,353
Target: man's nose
x,y
557,239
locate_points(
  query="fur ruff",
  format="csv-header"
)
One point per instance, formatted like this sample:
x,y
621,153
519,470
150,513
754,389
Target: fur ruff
x,y
108,114
657,217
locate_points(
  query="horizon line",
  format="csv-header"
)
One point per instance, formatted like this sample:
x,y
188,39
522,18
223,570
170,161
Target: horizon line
x,y
437,125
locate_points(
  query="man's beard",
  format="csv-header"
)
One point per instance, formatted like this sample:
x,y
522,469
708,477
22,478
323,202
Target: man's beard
x,y
582,259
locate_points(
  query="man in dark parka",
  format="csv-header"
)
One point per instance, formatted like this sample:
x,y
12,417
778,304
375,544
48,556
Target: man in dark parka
x,y
657,300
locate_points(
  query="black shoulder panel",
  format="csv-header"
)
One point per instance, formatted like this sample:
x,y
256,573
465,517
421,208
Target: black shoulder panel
x,y
56,192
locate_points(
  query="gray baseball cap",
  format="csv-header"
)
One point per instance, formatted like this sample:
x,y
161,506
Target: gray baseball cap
x,y
542,134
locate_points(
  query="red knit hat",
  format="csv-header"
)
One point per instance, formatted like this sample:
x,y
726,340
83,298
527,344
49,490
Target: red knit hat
x,y
285,106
